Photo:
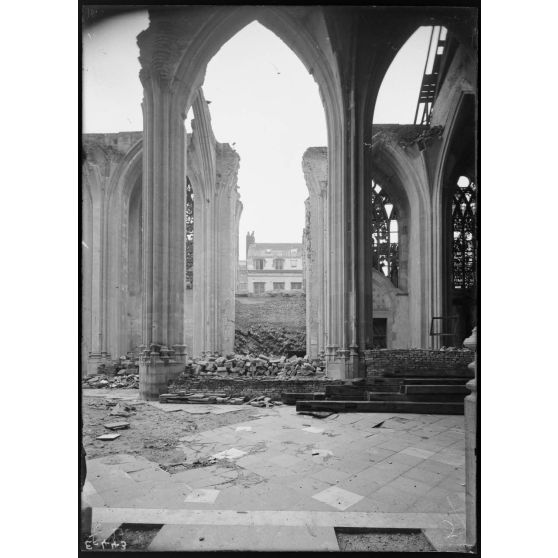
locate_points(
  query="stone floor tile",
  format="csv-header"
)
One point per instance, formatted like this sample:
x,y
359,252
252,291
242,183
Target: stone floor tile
x,y
149,474
412,486
232,453
390,464
248,460
170,497
437,467
120,458
360,484
307,485
377,454
448,458
239,537
380,476
338,498
285,460
202,496
194,474
351,466
331,476
209,482
418,452
402,458
389,499
118,496
428,477
394,444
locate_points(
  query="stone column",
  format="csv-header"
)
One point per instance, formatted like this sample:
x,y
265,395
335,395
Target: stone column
x,y
471,449
237,215
96,178
213,169
163,191
314,166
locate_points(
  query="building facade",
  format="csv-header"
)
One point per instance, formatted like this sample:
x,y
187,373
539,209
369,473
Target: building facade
x,y
273,266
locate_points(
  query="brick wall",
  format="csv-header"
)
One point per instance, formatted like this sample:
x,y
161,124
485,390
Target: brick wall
x,y
418,362
281,310
251,387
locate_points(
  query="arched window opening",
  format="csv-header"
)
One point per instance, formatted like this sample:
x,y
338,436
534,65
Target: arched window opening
x,y
385,234
189,232
463,212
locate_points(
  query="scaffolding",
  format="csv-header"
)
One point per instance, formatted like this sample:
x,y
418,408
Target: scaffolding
x,y
430,81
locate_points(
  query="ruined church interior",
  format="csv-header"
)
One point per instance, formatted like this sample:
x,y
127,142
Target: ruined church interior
x,y
316,392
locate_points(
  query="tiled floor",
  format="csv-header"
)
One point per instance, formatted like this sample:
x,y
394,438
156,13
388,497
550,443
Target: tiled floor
x,y
409,470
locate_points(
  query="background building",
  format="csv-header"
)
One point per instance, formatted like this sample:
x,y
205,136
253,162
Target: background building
x,y
273,266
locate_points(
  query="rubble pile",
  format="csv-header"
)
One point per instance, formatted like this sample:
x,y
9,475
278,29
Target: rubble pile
x,y
254,365
270,340
216,398
123,379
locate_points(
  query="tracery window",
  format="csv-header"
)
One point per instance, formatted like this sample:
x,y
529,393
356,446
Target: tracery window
x,y
385,234
463,213
189,244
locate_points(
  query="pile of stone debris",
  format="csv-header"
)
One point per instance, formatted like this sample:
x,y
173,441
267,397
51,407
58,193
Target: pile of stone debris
x,y
198,397
123,379
232,365
270,340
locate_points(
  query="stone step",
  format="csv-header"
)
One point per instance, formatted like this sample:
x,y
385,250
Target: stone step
x,y
413,389
436,408
458,380
290,398
408,373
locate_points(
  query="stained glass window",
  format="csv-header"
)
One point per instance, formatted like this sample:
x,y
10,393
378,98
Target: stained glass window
x,y
463,212
189,244
385,234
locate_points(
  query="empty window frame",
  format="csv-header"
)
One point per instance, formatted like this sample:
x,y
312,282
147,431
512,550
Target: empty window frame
x,y
278,263
259,263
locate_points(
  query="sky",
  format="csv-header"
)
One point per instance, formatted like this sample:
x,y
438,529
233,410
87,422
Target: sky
x,y
262,99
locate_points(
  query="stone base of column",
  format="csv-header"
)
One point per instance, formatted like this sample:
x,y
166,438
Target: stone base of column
x,y
344,365
93,362
156,369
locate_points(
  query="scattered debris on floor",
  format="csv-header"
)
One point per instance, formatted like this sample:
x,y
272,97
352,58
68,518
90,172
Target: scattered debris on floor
x,y
200,397
108,437
118,381
120,425
122,410
196,398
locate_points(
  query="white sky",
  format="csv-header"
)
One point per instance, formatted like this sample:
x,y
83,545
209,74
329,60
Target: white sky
x,y
262,99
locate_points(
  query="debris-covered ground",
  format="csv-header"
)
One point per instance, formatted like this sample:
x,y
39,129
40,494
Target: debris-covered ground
x,y
229,366
271,340
152,433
